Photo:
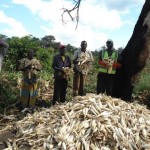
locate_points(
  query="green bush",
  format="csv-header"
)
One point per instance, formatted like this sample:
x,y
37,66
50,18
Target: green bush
x,y
9,89
46,56
143,83
144,80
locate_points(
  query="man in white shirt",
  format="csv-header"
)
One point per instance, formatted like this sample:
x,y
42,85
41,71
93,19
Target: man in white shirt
x,y
82,61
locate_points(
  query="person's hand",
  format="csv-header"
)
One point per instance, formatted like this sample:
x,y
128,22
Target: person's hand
x,y
61,70
28,67
108,65
80,72
75,62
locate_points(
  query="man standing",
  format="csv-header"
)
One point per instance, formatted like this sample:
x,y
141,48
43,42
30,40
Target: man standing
x,y
82,61
3,49
60,62
108,63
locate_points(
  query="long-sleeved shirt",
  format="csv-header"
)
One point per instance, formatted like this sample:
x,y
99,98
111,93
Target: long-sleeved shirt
x,y
58,63
80,56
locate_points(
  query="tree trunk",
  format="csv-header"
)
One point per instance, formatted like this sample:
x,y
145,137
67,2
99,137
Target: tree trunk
x,y
134,55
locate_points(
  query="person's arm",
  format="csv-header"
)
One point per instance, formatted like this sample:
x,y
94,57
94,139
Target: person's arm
x,y
38,66
69,62
24,64
55,66
4,46
100,61
118,63
91,56
22,68
75,57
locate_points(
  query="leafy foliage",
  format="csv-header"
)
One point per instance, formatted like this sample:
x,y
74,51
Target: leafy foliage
x,y
9,89
143,80
45,49
46,56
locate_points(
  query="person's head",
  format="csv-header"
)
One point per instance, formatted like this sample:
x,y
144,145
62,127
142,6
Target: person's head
x,y
62,50
30,53
109,44
83,45
2,43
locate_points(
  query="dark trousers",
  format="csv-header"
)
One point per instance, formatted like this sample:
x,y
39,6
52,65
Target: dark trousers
x,y
78,84
105,83
60,90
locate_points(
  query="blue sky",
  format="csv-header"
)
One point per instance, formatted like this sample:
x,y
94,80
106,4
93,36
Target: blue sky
x,y
99,20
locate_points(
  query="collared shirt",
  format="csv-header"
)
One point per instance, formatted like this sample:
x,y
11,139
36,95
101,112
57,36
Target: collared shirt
x,y
78,54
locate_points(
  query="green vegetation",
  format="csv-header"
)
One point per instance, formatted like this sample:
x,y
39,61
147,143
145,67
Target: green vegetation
x,y
9,89
45,49
143,82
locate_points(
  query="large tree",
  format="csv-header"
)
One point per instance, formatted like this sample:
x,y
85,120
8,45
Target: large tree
x,y
134,55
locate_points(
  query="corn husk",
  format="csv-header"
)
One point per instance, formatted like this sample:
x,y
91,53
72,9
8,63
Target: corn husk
x,y
93,122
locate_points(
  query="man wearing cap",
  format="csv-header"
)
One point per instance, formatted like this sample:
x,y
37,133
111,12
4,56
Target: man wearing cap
x,y
3,49
60,61
107,68
82,61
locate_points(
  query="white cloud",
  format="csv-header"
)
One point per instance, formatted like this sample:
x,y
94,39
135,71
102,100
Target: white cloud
x,y
51,11
67,34
6,6
15,27
99,17
88,13
32,5
47,10
96,17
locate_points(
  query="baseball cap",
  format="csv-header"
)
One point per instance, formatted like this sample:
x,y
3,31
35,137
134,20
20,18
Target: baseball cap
x,y
62,46
109,41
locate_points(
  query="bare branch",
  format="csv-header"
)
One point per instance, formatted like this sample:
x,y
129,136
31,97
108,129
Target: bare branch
x,y
68,11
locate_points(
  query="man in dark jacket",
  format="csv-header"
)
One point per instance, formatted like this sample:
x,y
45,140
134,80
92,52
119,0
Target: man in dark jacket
x,y
61,82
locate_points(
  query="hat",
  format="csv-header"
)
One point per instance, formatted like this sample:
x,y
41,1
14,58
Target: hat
x,y
2,42
109,41
62,46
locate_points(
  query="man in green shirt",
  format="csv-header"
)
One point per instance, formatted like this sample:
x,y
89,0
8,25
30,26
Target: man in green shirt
x,y
107,68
